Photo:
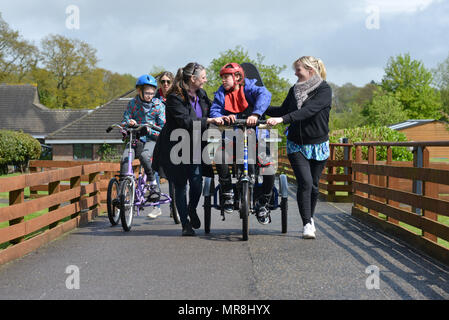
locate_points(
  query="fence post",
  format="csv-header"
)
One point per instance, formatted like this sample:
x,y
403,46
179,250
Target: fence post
x,y
54,187
331,171
357,176
75,182
16,197
372,179
429,189
418,162
389,183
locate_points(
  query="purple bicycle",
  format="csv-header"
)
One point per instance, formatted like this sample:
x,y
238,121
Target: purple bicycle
x,y
126,196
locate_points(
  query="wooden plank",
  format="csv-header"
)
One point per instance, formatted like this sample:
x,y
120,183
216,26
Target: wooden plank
x,y
423,174
431,226
336,177
25,247
23,209
426,203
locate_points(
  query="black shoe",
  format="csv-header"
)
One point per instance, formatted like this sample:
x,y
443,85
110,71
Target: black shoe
x,y
262,213
154,194
187,230
194,219
228,202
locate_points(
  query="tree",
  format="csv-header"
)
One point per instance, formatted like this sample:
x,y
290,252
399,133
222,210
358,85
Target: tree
x,y
411,82
66,59
270,74
441,80
384,109
17,56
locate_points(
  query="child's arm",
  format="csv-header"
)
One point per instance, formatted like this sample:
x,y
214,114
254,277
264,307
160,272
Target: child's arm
x,y
262,100
128,114
217,107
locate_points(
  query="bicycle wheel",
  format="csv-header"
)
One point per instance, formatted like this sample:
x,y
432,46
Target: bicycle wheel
x,y
284,209
127,203
112,202
244,210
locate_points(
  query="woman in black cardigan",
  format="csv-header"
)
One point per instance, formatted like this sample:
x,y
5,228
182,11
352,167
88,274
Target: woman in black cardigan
x,y
306,108
186,112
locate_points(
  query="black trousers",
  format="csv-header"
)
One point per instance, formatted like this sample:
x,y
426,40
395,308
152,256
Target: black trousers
x,y
307,173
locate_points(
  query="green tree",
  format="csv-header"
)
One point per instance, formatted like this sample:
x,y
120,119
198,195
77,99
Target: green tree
x,y
384,109
17,56
411,82
441,80
66,59
270,74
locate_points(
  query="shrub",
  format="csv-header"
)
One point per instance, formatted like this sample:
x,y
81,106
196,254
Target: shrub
x,y
371,133
17,148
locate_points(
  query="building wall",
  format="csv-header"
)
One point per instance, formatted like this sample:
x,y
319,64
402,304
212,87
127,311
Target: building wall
x,y
62,152
434,131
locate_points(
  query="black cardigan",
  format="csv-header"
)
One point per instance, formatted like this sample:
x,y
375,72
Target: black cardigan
x,y
310,124
180,115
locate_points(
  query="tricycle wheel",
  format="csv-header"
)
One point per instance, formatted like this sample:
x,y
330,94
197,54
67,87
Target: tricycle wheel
x,y
244,210
284,209
112,200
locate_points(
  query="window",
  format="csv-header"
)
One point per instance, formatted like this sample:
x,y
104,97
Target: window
x,y
82,151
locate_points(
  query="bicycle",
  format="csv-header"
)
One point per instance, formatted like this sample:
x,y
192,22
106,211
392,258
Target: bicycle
x,y
126,195
244,196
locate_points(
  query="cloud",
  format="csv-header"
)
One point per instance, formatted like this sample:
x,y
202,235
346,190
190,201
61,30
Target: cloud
x,y
131,37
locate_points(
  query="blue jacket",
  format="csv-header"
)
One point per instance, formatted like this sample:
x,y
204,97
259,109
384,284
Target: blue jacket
x,y
258,98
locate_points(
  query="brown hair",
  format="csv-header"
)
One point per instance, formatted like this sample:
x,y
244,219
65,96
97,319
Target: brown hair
x,y
183,77
166,74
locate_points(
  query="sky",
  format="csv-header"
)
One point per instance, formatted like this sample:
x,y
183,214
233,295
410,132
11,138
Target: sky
x,y
354,38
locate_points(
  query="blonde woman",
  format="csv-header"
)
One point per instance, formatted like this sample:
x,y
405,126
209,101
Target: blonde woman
x,y
306,109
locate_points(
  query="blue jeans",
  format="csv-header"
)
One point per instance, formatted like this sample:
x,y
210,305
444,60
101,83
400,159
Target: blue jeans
x,y
196,185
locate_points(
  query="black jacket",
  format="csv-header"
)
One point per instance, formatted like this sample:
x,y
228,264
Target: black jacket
x,y
179,114
310,124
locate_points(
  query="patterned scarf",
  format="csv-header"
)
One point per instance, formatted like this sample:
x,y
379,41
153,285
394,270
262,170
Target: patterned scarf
x,y
302,89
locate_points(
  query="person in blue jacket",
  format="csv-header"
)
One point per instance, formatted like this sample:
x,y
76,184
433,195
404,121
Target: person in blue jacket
x,y
240,98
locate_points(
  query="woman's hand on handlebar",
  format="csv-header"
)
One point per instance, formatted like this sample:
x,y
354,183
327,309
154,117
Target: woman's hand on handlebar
x,y
274,121
252,120
217,121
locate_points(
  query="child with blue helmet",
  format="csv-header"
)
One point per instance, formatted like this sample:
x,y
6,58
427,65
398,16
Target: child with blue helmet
x,y
142,109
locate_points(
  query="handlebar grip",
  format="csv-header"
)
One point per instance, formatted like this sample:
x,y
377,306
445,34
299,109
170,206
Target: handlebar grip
x,y
109,129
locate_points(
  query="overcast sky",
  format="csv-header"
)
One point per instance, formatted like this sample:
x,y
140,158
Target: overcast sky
x,y
354,38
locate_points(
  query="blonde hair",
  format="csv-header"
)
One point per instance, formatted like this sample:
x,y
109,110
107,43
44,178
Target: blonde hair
x,y
313,63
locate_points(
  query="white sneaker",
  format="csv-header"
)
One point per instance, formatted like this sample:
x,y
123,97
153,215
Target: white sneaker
x,y
308,232
313,225
156,212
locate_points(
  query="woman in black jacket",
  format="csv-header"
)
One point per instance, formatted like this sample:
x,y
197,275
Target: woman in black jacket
x,y
186,112
306,108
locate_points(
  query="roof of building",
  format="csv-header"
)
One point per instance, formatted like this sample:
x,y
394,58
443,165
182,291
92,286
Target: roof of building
x,y
91,128
410,123
20,109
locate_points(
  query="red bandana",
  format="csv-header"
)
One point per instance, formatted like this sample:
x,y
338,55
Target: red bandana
x,y
235,101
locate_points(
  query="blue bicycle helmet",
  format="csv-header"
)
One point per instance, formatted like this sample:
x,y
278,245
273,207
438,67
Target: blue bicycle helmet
x,y
146,79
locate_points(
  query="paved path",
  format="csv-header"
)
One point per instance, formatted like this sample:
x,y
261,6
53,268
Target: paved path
x,y
154,262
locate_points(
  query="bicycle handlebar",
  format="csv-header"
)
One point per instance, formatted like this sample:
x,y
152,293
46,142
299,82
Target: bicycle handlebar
x,y
262,124
134,128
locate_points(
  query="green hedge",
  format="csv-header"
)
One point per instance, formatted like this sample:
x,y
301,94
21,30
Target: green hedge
x,y
371,133
17,148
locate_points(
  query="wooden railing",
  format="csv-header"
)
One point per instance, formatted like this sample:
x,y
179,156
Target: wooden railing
x,y
62,196
408,199
336,180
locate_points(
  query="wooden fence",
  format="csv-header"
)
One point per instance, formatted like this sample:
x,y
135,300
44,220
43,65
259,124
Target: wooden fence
x,y
59,201
408,199
336,180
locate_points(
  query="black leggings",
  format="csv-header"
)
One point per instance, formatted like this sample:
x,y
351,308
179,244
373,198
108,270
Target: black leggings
x,y
307,174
